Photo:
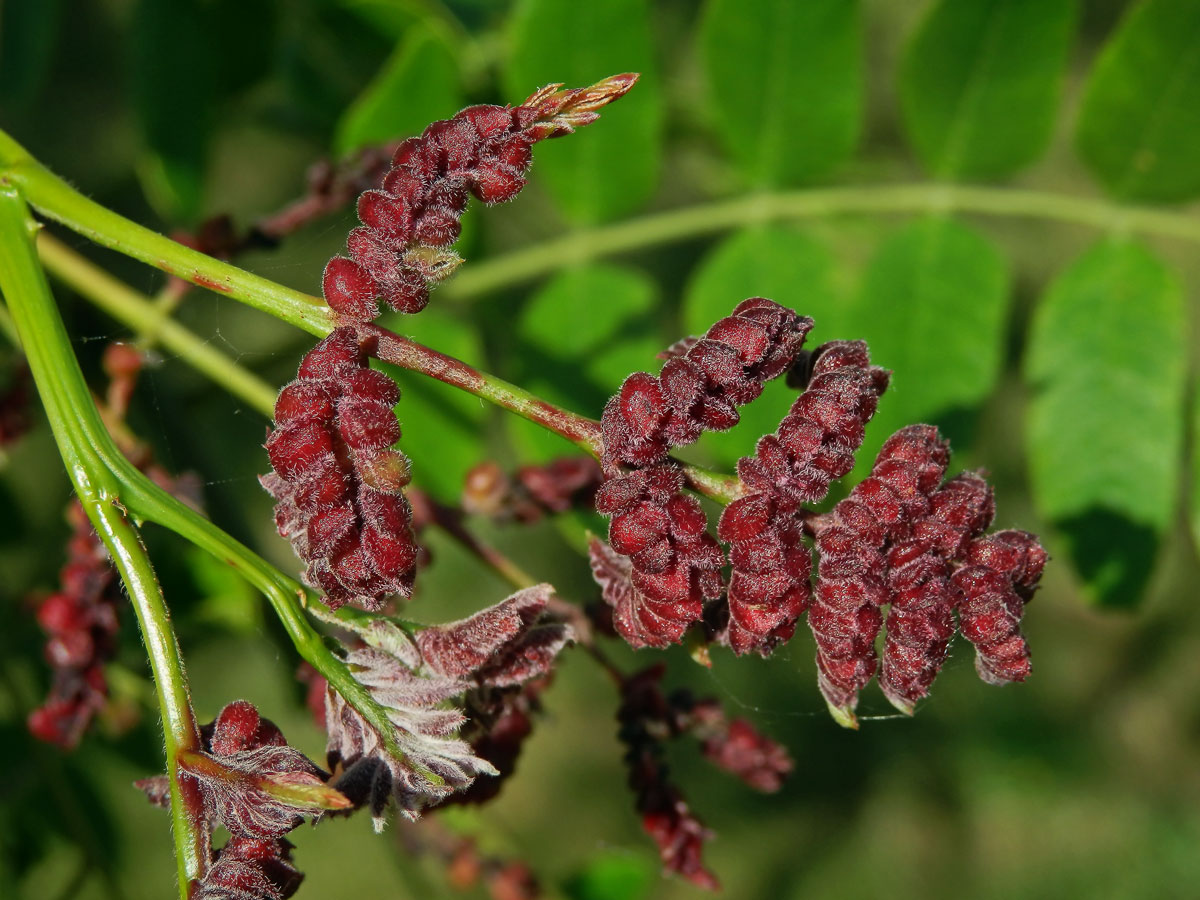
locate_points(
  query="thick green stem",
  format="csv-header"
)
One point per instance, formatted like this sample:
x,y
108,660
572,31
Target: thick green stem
x,y
88,452
703,219
142,314
55,199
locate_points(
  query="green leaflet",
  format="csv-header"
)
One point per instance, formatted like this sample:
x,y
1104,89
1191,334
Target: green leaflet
x,y
980,83
612,166
585,331
1139,129
417,85
785,84
933,308
1106,365
784,265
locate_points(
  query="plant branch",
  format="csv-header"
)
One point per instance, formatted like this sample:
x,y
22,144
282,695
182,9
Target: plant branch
x,y
57,200
703,219
88,451
143,315
54,198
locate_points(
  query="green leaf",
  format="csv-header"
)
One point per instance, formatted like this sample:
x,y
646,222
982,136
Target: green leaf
x,y
28,32
580,335
784,265
611,167
786,84
1106,363
1139,129
417,85
443,426
174,82
980,83
933,308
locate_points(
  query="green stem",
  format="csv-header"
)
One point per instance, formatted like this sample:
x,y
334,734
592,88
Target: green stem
x,y
702,219
87,452
287,598
408,354
57,200
142,314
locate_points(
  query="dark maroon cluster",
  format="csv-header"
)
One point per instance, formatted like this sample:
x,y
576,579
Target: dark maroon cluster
x,y
399,253
645,720
852,576
673,562
904,538
248,868
648,717
80,620
249,780
338,482
702,383
999,575
532,492
816,442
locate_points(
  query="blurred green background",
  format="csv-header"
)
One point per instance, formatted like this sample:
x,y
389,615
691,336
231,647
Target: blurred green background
x,y
950,180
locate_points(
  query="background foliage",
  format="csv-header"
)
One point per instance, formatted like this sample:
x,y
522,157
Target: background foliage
x,y
1041,324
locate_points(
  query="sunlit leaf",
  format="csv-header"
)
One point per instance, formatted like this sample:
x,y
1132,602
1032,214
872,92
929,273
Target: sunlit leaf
x,y
612,167
1106,364
786,84
933,309
1139,129
980,83
418,84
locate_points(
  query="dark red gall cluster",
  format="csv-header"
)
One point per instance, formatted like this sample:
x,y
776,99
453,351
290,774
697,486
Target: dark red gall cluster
x,y
852,575
80,620
645,721
248,779
411,220
673,562
245,763
920,622
999,575
734,745
702,383
906,539
532,492
338,481
815,444
248,868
